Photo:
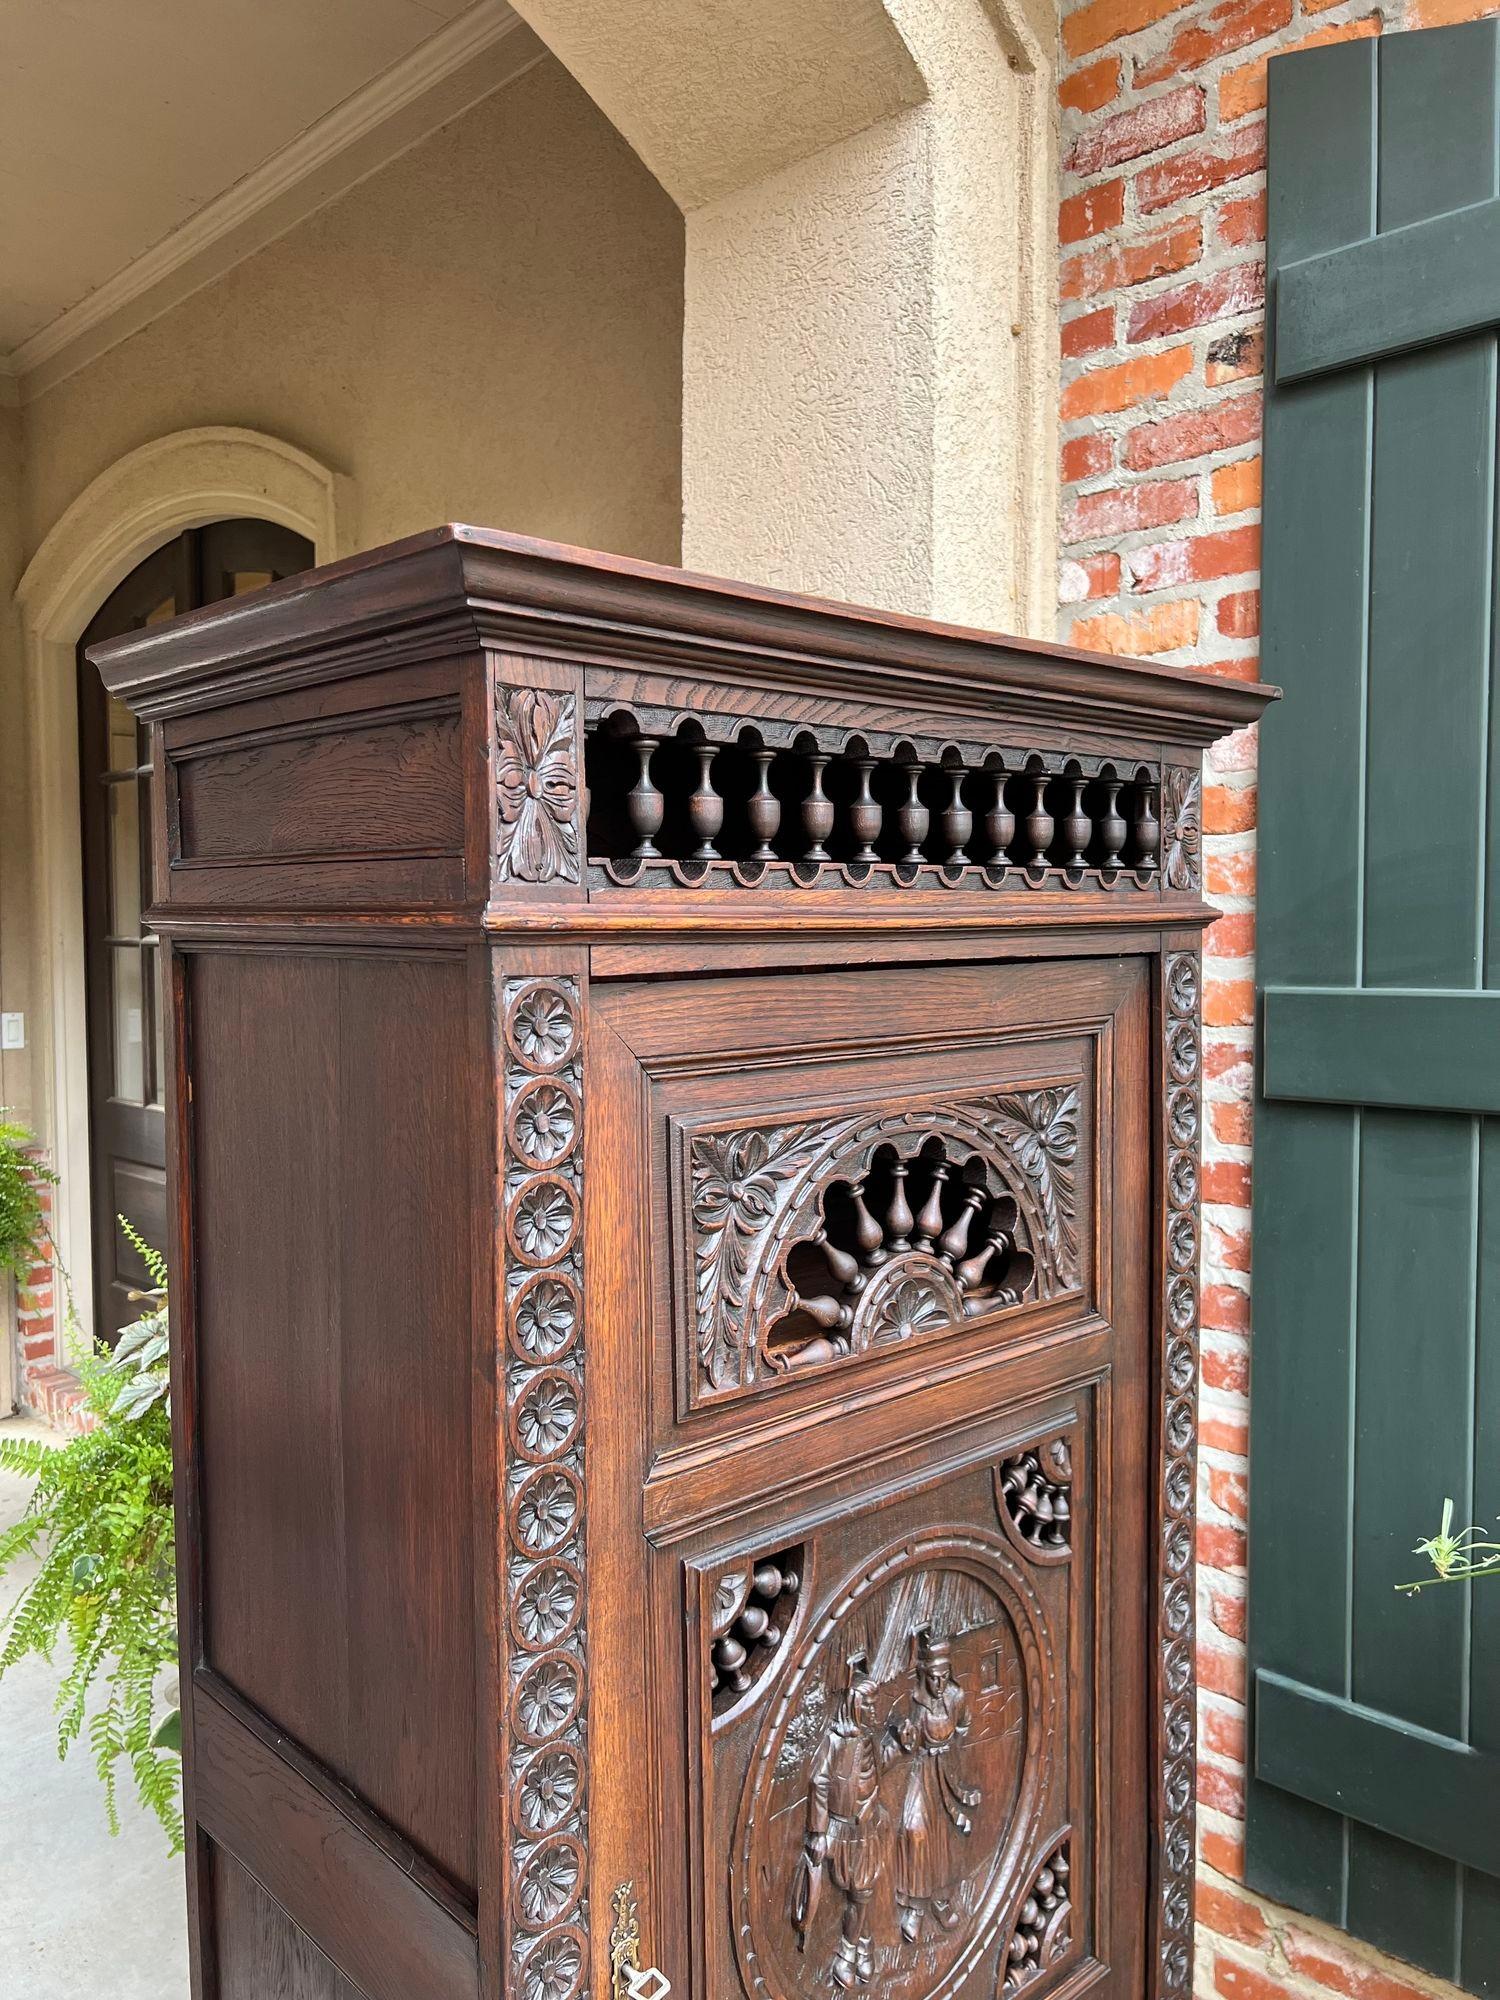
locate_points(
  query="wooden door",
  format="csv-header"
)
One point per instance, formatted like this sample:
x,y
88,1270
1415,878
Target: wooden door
x,y
127,1121
869,1659
1376,1378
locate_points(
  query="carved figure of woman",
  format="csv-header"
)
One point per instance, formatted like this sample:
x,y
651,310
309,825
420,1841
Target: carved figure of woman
x,y
936,1813
848,1829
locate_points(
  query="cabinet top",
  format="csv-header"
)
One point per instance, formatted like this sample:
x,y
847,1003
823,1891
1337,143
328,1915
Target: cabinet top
x,y
457,587
473,727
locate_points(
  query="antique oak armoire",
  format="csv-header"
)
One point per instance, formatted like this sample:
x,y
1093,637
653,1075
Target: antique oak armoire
x,y
684,1151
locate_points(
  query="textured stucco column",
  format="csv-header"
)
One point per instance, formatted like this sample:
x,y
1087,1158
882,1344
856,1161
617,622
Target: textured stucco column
x,y
869,330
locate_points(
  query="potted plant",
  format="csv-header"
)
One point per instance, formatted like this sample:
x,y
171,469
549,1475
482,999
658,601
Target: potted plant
x,y
100,1520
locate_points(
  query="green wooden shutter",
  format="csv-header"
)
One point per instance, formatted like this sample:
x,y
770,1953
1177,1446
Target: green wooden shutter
x,y
1375,1792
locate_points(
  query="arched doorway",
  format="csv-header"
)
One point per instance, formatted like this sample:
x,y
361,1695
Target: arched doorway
x,y
126,1052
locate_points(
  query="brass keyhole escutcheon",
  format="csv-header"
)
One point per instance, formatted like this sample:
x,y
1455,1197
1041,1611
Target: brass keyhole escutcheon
x,y
629,1979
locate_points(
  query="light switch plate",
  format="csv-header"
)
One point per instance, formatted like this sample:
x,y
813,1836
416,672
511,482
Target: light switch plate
x,y
12,1031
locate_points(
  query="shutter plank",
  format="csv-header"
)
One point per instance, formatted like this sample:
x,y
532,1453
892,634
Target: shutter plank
x,y
1431,281
1480,1959
1431,534
1322,122
1377,1302
1384,1772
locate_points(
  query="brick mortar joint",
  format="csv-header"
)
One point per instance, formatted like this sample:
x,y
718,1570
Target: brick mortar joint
x,y
1272,1954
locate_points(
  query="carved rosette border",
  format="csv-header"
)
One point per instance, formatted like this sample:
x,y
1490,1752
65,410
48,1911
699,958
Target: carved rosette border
x,y
546,1682
1182,1067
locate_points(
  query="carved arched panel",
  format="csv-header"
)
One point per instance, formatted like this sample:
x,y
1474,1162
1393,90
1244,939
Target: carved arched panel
x,y
814,1240
882,1794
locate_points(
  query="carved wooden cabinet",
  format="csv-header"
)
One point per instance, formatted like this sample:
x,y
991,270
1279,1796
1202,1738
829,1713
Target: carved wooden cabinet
x,y
685,1151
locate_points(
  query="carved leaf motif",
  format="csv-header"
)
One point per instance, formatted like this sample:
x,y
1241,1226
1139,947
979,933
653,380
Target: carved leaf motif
x,y
536,783
738,1182
1039,1131
1182,837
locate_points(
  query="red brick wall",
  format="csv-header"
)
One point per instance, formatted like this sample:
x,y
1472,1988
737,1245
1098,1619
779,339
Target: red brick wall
x,y
1161,229
45,1387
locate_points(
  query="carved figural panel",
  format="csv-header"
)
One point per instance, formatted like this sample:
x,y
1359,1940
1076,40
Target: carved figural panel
x,y
818,1239
897,1779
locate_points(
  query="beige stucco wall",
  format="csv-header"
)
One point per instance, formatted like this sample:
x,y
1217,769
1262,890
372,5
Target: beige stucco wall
x,y
488,329
16,928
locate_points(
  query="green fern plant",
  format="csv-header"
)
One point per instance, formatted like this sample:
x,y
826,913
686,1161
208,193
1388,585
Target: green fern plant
x,y
100,1517
22,1227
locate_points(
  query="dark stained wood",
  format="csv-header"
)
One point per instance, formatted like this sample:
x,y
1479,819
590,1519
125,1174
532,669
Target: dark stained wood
x,y
366,1901
388,787
333,1125
263,1950
695,1464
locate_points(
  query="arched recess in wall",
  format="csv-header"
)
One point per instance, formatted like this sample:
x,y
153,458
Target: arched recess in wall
x,y
177,482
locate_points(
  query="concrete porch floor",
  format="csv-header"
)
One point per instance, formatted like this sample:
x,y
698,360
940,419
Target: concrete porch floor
x,y
82,1916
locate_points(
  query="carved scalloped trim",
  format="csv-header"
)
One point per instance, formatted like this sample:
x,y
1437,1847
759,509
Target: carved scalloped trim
x,y
1175,1780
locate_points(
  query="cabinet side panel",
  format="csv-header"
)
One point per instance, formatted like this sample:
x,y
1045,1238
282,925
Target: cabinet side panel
x,y
261,1950
335,1129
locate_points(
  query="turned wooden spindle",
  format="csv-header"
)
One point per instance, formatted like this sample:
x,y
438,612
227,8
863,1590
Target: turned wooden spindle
x,y
817,810
644,804
772,1581
1147,831
865,815
958,821
705,807
729,1660
822,1310
998,1243
1111,827
999,823
913,819
844,1267
898,1215
763,808
954,1240
1019,1273
868,1233
930,1222
1077,827
1039,823
970,1273
753,1621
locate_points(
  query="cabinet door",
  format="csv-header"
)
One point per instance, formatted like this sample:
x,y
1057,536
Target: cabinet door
x,y
868,1480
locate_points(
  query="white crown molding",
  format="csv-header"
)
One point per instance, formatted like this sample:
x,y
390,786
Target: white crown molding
x,y
475,53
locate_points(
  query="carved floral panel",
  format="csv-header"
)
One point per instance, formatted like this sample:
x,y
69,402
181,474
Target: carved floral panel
x,y
1182,792
536,785
814,1240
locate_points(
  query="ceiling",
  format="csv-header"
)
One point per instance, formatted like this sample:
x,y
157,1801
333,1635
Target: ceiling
x,y
122,122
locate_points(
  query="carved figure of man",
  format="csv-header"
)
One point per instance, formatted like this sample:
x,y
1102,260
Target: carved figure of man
x,y
848,1829
936,1813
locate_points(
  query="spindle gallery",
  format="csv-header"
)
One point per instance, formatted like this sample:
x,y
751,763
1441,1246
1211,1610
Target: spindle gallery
x,y
713,1512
